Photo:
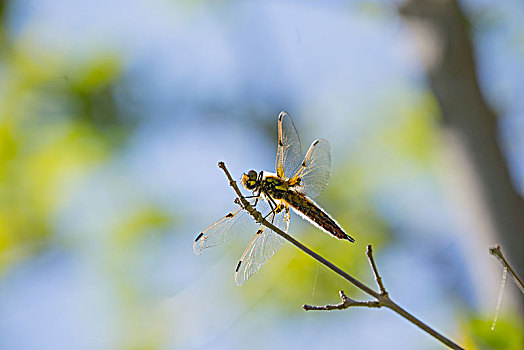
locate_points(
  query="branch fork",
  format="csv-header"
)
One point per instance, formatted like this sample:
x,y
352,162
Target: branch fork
x,y
381,298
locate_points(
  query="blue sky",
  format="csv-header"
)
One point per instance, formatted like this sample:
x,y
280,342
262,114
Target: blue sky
x,y
339,69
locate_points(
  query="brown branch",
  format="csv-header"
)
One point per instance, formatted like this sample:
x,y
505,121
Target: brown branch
x,y
369,253
383,299
346,302
497,252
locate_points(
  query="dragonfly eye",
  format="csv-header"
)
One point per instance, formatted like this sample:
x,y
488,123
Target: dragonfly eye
x,y
249,180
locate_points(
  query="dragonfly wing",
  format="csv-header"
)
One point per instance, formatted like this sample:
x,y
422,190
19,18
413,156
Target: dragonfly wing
x,y
262,247
313,174
228,227
289,151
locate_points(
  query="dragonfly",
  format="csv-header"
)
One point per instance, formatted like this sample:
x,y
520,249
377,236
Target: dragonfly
x,y
295,183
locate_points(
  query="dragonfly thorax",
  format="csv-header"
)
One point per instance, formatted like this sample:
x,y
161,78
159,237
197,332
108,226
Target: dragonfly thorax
x,y
274,186
266,183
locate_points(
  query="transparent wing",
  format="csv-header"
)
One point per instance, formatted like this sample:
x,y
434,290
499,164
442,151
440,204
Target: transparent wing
x,y
228,227
262,247
289,151
312,176
282,220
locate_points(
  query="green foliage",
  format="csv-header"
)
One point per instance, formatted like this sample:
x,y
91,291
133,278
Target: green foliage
x,y
508,333
411,132
145,220
141,318
55,127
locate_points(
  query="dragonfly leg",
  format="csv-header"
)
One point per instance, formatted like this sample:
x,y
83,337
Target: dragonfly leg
x,y
274,212
273,218
275,209
272,203
274,215
272,209
273,206
257,196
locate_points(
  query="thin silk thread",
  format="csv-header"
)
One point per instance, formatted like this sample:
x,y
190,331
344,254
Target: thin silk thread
x,y
499,301
315,284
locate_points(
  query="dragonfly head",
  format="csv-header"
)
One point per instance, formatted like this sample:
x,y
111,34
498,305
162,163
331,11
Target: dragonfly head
x,y
250,180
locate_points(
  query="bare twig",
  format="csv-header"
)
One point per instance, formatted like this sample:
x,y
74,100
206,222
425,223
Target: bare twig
x,y
496,251
346,302
369,253
382,299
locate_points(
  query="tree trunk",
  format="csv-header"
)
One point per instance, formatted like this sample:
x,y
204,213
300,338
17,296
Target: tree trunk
x,y
442,33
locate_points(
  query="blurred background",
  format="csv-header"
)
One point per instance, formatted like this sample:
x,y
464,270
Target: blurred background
x,y
114,114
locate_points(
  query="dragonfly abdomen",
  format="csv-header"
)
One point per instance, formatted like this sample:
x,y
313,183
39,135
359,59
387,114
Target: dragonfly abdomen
x,y
312,212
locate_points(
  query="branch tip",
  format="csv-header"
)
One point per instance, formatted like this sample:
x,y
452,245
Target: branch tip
x,y
497,252
378,279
